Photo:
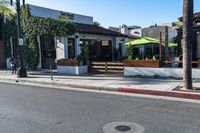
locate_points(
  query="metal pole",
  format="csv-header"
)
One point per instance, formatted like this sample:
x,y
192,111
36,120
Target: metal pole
x,y
166,43
160,46
50,64
51,70
22,70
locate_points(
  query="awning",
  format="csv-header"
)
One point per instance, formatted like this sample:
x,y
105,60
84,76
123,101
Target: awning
x,y
137,43
142,41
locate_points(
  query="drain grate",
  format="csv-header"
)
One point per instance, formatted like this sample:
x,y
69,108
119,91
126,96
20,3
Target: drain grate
x,y
123,127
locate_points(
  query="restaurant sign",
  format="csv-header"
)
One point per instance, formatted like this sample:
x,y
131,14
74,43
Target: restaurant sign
x,y
66,16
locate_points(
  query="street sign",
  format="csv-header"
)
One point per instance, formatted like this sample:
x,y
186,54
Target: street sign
x,y
21,41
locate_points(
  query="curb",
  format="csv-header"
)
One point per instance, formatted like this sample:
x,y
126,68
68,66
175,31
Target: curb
x,y
60,84
186,95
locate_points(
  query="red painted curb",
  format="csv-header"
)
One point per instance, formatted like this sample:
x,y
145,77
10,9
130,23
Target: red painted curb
x,y
187,95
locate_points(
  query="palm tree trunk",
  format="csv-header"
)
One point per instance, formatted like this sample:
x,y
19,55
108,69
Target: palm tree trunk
x,y
187,42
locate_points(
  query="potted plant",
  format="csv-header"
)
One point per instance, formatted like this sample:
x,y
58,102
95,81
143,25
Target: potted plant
x,y
84,53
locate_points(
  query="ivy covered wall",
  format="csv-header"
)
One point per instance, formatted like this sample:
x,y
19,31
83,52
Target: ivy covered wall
x,y
32,27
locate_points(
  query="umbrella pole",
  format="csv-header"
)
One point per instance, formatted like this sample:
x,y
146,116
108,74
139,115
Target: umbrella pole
x,y
160,49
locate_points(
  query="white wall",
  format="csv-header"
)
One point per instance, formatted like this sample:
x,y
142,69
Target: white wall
x,y
54,14
72,70
133,32
124,29
124,48
163,72
77,46
61,43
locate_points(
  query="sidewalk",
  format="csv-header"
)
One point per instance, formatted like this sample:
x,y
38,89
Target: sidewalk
x,y
160,87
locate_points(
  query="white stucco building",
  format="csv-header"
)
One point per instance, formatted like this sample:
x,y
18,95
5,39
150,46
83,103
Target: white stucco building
x,y
101,41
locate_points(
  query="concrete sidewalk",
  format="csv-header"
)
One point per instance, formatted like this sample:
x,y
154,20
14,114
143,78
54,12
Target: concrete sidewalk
x,y
101,82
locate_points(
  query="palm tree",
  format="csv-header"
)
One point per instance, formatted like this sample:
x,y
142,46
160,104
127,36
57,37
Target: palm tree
x,y
187,42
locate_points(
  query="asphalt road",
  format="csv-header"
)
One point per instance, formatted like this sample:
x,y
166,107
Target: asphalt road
x,y
28,109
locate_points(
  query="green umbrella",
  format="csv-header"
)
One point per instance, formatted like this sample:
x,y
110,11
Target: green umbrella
x,y
142,41
172,45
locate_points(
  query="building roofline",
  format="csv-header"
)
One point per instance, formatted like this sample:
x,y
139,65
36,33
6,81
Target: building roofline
x,y
59,10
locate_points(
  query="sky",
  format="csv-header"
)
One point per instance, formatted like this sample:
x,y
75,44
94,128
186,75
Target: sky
x,y
117,12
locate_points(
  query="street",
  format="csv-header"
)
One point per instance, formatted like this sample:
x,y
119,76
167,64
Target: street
x,y
29,109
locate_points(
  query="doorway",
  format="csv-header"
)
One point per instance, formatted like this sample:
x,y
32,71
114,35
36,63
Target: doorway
x,y
48,52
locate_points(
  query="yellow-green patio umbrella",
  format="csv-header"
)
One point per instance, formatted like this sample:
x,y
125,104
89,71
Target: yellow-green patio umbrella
x,y
172,45
142,41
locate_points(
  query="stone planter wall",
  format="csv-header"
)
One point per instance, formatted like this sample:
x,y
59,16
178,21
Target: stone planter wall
x,y
71,67
72,70
161,72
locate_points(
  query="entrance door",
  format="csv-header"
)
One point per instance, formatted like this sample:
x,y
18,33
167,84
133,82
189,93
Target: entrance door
x,y
106,53
95,50
48,52
2,56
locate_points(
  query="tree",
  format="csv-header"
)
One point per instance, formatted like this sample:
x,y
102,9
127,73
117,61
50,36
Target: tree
x,y
96,23
5,9
187,43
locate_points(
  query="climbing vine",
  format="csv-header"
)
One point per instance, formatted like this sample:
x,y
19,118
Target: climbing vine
x,y
35,26
32,27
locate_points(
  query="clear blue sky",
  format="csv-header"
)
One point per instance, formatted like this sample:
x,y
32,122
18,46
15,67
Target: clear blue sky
x,y
117,12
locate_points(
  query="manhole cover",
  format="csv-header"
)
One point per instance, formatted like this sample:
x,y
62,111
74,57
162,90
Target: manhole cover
x,y
123,127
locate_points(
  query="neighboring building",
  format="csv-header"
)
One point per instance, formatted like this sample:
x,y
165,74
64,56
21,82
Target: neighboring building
x,y
173,24
101,41
196,36
168,34
132,31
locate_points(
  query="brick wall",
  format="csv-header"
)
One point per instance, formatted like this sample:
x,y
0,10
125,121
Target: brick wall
x,y
2,55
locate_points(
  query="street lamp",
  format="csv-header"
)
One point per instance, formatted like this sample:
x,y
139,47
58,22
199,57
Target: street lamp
x,y
22,70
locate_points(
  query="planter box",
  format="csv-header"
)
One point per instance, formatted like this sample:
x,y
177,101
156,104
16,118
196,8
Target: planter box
x,y
68,62
72,70
142,63
71,67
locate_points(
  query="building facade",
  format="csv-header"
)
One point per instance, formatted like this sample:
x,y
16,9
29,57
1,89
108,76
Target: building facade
x,y
161,32
196,36
101,41
132,31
